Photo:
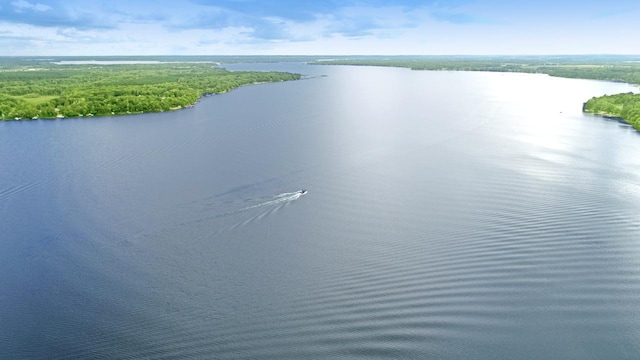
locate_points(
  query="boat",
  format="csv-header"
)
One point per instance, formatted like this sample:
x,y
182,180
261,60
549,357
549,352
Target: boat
x,y
302,192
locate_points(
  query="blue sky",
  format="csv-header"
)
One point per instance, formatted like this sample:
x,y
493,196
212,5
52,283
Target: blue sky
x,y
243,27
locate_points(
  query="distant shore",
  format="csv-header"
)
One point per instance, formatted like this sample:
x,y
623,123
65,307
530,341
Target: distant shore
x,y
105,86
625,69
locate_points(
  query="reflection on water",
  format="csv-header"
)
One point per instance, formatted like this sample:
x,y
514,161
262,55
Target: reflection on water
x,y
449,215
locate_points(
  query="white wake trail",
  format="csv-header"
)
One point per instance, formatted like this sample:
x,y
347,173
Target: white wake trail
x,y
278,199
277,202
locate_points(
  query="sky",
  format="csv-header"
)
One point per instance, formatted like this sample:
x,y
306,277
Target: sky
x,y
318,27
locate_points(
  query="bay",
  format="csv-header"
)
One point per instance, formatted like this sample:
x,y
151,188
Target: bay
x,y
448,215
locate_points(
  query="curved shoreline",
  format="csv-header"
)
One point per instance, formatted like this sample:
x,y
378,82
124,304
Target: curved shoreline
x,y
620,72
86,91
184,107
624,106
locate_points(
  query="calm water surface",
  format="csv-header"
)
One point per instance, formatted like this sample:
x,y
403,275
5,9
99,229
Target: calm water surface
x,y
450,215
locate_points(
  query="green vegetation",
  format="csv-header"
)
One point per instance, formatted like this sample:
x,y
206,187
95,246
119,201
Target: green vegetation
x,y
609,68
40,88
45,90
624,106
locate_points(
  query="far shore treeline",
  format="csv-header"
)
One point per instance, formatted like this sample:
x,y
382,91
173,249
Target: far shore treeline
x,y
47,90
602,67
36,88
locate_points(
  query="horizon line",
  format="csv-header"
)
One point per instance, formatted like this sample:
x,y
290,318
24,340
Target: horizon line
x,y
315,55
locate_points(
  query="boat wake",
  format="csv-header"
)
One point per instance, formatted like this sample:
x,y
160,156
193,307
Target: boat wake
x,y
276,200
269,206
227,215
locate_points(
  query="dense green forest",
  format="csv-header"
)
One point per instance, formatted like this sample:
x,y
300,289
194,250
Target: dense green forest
x,y
46,90
625,106
610,68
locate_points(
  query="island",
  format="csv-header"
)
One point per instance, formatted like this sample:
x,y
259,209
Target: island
x,y
620,68
40,89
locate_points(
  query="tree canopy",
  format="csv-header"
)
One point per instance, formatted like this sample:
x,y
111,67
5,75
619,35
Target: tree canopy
x,y
624,106
49,91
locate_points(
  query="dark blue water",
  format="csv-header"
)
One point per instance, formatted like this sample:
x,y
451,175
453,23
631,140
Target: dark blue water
x,y
449,215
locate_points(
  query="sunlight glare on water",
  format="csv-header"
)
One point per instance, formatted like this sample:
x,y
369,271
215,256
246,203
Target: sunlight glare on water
x,y
449,215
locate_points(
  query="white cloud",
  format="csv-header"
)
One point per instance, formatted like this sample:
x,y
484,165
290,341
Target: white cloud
x,y
76,29
23,4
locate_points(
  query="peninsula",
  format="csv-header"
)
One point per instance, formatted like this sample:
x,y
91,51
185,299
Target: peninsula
x,y
45,89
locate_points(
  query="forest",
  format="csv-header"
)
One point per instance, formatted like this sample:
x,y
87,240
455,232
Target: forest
x,y
624,106
47,90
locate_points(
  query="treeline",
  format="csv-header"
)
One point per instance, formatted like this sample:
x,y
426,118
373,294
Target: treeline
x,y
625,106
623,69
90,90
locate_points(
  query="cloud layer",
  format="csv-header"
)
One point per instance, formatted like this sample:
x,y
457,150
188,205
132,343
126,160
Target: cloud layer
x,y
75,27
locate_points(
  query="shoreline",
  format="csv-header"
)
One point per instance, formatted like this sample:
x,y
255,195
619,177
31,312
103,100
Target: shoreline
x,y
127,91
610,72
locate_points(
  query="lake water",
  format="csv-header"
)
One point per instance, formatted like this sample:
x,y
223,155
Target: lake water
x,y
449,215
